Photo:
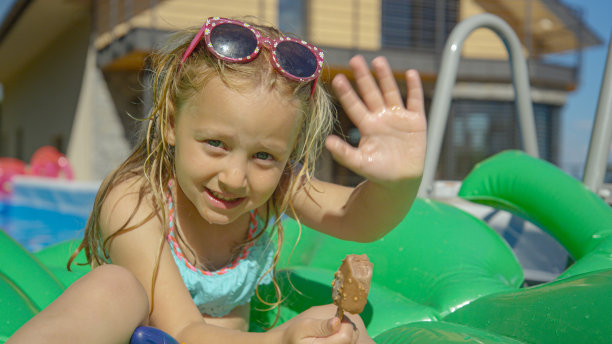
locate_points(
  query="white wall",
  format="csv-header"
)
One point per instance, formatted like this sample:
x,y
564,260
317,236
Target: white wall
x,y
43,98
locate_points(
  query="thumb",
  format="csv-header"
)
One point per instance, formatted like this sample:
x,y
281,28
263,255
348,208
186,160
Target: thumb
x,y
343,152
326,327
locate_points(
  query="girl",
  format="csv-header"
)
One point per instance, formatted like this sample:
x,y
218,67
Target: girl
x,y
237,123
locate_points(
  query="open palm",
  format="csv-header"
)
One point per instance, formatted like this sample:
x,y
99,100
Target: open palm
x,y
393,135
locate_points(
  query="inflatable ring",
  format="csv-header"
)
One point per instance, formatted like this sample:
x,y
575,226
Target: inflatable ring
x,y
442,276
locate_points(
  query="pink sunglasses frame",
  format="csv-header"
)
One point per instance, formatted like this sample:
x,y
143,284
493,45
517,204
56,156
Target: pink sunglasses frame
x,y
262,42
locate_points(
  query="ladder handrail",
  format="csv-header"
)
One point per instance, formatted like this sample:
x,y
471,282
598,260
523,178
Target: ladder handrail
x,y
601,135
446,80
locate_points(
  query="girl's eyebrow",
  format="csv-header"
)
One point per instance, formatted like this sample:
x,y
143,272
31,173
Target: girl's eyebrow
x,y
274,146
216,132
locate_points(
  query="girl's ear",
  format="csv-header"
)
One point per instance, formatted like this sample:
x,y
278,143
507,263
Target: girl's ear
x,y
170,128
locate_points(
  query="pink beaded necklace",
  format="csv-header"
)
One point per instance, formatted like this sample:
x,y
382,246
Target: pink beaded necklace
x,y
177,250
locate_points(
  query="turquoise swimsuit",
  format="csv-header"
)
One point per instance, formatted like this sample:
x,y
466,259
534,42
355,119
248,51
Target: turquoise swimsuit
x,y
216,293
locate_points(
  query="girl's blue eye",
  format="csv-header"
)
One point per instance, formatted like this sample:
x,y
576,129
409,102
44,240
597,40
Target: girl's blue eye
x,y
263,156
214,143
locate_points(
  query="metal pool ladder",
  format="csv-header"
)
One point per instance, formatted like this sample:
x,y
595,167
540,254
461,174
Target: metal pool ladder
x,y
601,136
438,114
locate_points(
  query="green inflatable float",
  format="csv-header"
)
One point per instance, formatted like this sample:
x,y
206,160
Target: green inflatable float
x,y
442,276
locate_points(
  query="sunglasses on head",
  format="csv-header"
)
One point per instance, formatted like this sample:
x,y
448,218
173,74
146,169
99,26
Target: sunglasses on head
x,y
238,42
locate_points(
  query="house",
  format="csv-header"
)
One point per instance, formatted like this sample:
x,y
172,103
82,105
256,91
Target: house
x,y
72,71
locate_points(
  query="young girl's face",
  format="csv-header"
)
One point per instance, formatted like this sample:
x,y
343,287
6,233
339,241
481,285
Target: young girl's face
x,y
231,147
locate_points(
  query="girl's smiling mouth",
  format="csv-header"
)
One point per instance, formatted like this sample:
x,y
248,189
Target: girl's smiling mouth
x,y
223,201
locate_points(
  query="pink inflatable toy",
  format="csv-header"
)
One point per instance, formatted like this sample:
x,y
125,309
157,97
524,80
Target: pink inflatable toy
x,y
9,167
47,161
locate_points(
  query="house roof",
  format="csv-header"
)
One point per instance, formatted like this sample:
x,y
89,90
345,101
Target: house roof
x,y
31,26
553,26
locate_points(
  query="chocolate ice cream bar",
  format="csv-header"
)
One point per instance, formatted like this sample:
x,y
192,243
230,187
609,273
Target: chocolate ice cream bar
x,y
351,284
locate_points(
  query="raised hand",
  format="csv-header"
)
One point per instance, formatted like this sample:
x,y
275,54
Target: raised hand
x,y
393,135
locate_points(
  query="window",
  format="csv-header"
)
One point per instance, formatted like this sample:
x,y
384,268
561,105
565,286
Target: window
x,y
396,23
421,24
292,17
547,122
477,129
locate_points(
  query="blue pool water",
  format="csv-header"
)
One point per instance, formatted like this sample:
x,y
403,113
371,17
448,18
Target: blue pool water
x,y
42,212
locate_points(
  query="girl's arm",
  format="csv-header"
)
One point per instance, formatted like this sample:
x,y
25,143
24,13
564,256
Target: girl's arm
x,y
390,156
173,310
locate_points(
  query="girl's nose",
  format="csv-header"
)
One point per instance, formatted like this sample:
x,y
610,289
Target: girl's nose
x,y
233,176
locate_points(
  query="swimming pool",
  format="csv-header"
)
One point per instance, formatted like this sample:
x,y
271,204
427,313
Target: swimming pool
x,y
43,211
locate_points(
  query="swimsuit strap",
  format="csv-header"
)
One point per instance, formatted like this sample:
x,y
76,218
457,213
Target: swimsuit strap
x,y
253,224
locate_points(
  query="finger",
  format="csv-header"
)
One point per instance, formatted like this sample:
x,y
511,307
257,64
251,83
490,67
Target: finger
x,y
344,153
414,98
386,80
324,327
348,320
368,88
355,333
347,333
352,104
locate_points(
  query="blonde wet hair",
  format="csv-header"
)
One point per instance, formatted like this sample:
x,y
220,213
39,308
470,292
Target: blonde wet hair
x,y
152,161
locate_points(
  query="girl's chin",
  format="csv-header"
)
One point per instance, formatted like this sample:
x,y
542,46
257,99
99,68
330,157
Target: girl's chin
x,y
217,218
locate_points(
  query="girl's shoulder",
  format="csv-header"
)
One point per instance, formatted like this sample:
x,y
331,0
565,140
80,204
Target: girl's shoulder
x,y
127,203
124,192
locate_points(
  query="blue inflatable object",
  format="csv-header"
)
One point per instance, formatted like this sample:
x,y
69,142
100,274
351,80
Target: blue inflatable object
x,y
151,335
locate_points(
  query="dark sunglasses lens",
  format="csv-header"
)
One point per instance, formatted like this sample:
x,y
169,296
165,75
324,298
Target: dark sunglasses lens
x,y
233,41
296,59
